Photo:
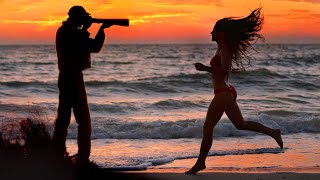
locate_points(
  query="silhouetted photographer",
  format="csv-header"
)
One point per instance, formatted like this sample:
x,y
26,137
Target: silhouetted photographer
x,y
74,46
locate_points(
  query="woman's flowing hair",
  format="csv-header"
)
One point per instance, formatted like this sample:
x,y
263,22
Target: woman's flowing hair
x,y
240,34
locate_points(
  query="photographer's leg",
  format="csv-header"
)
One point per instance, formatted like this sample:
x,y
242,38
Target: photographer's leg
x,y
61,128
82,116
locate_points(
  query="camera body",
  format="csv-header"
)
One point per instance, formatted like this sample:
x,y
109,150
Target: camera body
x,y
119,22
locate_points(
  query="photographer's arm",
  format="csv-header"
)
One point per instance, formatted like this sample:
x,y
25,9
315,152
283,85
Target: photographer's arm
x,y
97,43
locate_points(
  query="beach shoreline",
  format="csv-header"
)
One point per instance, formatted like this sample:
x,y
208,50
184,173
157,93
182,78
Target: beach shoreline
x,y
164,173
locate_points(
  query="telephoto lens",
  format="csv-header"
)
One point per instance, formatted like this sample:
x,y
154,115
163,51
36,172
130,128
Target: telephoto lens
x,y
119,22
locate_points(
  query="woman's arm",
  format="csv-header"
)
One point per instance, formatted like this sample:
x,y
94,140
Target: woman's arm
x,y
201,67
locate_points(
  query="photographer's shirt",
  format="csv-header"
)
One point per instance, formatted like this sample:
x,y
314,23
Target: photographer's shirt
x,y
74,46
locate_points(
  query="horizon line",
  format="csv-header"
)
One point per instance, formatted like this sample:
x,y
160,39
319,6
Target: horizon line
x,y
168,43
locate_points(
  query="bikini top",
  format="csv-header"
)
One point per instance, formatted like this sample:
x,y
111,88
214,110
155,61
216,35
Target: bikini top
x,y
216,60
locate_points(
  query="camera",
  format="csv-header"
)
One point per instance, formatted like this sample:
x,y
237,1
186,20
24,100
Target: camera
x,y
119,22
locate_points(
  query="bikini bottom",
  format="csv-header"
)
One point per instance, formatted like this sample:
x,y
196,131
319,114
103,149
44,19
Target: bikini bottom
x,y
230,89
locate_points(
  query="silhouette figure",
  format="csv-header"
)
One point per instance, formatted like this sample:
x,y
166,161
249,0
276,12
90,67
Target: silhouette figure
x,y
233,37
73,46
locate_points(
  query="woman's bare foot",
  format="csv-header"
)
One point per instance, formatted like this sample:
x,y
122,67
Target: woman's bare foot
x,y
196,168
277,137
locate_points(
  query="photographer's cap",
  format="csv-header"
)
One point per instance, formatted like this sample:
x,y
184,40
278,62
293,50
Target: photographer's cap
x,y
77,11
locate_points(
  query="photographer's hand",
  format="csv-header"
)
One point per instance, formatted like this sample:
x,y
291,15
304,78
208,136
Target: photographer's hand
x,y
87,22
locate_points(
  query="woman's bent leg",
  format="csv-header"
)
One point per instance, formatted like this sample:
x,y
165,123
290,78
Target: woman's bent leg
x,y
234,114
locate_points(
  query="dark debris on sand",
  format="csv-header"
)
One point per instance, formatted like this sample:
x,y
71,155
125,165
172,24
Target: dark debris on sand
x,y
31,157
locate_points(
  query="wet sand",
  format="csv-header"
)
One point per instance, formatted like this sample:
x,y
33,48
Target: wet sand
x,y
169,174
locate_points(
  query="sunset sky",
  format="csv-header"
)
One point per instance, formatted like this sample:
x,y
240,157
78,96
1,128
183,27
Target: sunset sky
x,y
159,21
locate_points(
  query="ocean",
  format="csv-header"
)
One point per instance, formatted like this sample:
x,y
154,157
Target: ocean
x,y
148,104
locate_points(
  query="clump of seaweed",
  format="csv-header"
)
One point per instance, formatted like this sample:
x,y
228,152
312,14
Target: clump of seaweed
x,y
34,137
26,152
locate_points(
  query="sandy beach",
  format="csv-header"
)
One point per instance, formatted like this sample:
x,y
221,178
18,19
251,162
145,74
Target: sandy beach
x,y
215,172
228,176
163,174
176,172
169,174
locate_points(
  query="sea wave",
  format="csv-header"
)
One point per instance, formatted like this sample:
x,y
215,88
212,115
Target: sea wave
x,y
178,104
163,57
188,82
27,83
112,128
118,108
259,73
130,107
302,84
99,63
193,128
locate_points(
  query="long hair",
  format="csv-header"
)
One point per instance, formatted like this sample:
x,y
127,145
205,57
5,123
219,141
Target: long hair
x,y
240,34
